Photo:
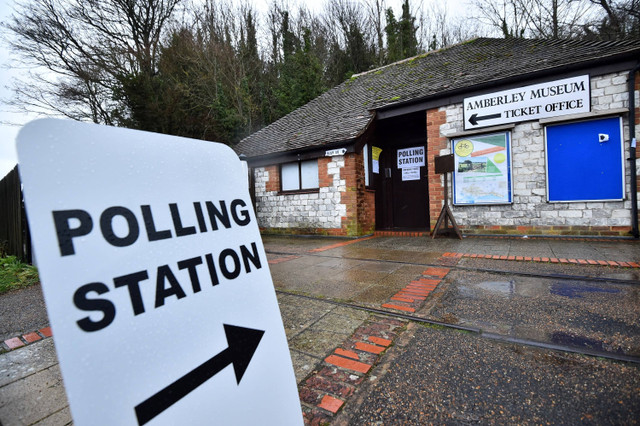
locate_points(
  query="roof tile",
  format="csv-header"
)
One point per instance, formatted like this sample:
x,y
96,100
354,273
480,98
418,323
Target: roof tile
x,y
345,111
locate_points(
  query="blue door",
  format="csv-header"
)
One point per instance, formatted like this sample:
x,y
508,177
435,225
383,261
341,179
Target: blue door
x,y
585,161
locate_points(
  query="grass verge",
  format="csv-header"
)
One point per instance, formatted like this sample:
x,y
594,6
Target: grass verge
x,y
14,274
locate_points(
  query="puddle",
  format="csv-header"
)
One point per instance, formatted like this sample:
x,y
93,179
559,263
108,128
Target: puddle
x,y
506,288
568,339
503,287
467,292
576,291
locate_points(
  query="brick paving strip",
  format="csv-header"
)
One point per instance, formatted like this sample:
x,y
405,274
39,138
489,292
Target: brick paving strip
x,y
319,249
401,234
282,259
414,294
340,244
25,339
334,380
613,263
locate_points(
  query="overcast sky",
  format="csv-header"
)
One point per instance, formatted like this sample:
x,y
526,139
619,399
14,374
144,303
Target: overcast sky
x,y
11,122
7,133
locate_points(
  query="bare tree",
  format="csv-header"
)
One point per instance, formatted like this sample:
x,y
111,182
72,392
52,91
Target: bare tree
x,y
508,17
620,18
81,50
551,18
440,29
375,16
557,18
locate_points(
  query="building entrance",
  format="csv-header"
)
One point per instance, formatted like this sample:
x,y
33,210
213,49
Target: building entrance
x,y
402,191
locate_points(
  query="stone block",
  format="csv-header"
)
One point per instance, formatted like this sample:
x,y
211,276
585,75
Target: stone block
x,y
512,214
570,213
618,213
620,79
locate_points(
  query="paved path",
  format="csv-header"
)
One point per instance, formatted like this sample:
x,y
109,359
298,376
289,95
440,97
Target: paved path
x,y
355,364
439,376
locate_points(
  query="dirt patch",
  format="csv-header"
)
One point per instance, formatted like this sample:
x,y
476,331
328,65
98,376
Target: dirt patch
x,y
22,311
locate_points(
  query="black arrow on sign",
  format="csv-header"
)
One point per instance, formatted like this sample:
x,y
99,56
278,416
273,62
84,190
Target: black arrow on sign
x,y
243,342
474,118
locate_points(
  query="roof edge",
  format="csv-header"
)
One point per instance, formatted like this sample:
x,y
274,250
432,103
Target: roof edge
x,y
630,55
264,159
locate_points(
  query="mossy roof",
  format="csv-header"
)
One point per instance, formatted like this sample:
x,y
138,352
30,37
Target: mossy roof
x,y
343,113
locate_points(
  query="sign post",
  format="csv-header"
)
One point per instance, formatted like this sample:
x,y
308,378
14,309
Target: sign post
x,y
155,278
444,164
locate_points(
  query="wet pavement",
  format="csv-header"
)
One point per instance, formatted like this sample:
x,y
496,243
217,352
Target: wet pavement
x,y
597,315
357,315
586,306
313,327
438,376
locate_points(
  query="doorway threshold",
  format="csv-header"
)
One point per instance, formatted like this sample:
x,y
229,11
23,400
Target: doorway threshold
x,y
402,233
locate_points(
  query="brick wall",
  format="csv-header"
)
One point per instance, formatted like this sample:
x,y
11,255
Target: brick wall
x,y
273,179
530,213
437,145
349,195
368,217
364,201
637,104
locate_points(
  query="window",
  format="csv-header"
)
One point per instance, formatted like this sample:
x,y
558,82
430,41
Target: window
x,y
301,175
365,153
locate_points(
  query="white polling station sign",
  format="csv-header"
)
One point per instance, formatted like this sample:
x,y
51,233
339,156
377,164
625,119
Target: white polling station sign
x,y
409,158
155,278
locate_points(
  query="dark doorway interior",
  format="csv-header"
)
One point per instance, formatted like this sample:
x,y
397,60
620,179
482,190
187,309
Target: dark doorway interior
x,y
402,198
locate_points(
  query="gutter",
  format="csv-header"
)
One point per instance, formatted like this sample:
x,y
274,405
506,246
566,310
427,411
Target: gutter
x,y
632,150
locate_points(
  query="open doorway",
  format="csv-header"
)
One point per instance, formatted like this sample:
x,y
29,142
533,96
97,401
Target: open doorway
x,y
402,191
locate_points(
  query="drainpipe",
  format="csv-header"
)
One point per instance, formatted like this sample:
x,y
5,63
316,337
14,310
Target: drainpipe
x,y
632,150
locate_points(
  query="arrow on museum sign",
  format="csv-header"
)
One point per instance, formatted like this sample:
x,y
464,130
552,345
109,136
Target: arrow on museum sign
x,y
243,342
475,118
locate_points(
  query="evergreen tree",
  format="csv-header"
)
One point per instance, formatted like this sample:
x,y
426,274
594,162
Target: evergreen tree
x,y
407,31
309,82
253,82
300,73
401,35
394,45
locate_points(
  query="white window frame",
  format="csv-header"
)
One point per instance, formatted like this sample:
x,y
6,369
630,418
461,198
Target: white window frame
x,y
305,181
365,159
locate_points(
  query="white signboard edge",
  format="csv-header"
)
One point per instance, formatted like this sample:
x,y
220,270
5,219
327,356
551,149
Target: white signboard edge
x,y
50,136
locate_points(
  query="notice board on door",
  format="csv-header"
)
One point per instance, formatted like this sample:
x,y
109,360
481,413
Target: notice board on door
x,y
585,161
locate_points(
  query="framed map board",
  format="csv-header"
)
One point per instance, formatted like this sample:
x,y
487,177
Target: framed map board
x,y
482,169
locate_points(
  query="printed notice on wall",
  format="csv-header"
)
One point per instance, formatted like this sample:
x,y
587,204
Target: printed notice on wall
x,y
411,173
375,158
482,173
